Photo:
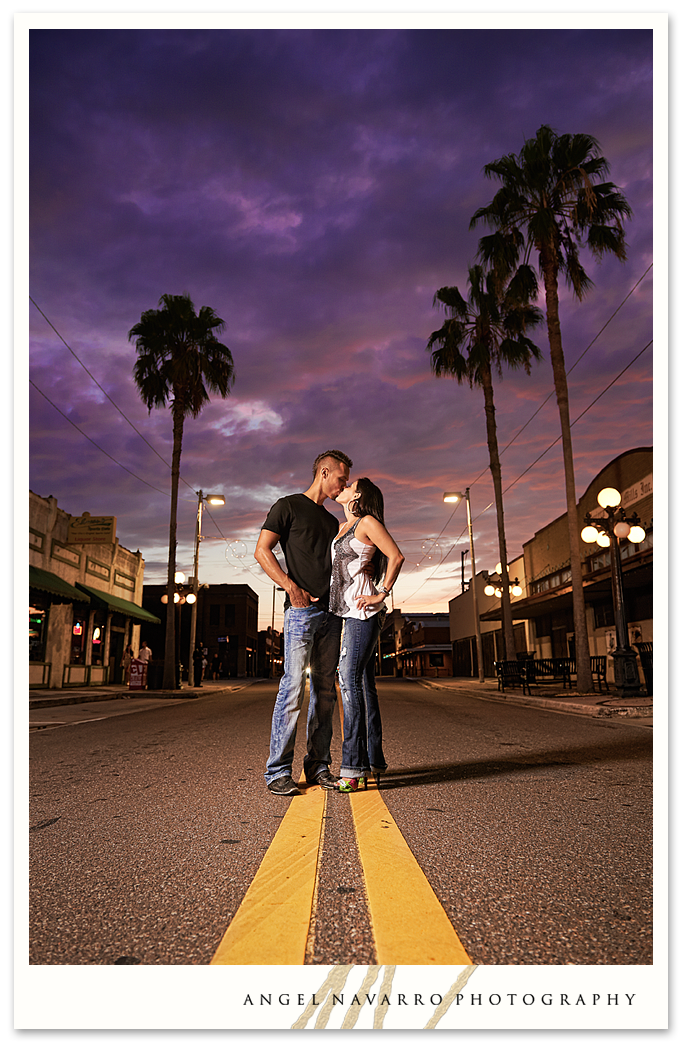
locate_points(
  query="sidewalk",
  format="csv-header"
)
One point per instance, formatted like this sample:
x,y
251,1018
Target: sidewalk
x,y
86,694
595,705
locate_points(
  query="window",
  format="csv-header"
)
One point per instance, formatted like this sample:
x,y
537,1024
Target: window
x,y
549,583
80,621
214,615
98,638
437,660
603,614
38,622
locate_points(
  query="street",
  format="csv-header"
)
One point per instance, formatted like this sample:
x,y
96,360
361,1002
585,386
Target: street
x,y
529,831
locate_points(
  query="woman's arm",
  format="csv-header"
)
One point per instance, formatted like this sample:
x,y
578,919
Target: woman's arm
x,y
370,530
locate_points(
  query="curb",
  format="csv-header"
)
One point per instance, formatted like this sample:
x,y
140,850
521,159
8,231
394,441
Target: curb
x,y
139,694
593,710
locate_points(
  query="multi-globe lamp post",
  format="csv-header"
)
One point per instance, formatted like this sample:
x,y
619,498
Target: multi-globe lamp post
x,y
181,597
607,531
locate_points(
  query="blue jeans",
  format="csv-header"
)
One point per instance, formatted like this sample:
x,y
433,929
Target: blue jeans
x,y
311,640
362,749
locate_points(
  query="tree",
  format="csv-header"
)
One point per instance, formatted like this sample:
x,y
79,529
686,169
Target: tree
x,y
479,335
551,202
179,358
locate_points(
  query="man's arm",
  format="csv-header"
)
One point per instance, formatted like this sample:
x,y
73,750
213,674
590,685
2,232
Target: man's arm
x,y
265,557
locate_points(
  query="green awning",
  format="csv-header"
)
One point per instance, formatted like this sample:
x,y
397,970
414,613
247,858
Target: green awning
x,y
42,580
119,605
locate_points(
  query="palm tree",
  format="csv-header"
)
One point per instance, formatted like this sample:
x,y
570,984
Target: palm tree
x,y
179,357
479,335
552,202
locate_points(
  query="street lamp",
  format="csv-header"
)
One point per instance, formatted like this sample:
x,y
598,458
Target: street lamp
x,y
494,587
607,532
213,501
180,597
455,497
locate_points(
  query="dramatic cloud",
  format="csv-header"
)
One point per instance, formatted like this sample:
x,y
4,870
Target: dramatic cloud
x,y
315,188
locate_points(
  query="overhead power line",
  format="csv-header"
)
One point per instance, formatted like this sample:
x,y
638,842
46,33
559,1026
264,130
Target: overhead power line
x,y
73,424
107,395
530,467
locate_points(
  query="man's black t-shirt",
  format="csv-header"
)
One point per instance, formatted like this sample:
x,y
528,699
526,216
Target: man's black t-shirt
x,y
305,532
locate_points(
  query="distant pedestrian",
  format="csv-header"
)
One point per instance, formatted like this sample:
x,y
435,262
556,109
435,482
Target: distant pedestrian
x,y
128,657
215,666
198,664
145,653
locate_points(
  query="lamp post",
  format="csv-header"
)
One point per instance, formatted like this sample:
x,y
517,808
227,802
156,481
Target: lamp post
x,y
454,497
607,532
180,597
213,501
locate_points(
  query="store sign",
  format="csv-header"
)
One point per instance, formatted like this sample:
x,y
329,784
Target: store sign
x,y
138,674
88,529
637,492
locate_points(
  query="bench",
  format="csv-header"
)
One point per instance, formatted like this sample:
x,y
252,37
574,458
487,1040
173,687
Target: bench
x,y
510,672
551,669
542,671
646,656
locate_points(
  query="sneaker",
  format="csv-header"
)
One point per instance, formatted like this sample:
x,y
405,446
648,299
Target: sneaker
x,y
284,786
325,779
349,784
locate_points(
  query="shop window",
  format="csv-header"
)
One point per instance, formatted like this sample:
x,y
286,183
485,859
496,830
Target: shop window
x,y
603,614
437,660
80,622
98,638
38,622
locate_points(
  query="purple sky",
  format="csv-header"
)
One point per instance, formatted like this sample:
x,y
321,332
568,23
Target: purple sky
x,y
315,189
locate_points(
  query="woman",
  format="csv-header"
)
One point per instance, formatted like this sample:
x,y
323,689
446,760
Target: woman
x,y
359,598
127,658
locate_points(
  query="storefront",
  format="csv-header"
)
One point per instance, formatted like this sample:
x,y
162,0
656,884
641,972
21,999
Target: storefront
x,y
78,632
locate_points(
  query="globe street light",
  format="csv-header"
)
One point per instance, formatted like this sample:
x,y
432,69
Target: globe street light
x,y
455,497
607,532
181,597
213,501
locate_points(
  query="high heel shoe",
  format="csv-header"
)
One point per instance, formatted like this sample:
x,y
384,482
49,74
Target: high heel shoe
x,y
348,784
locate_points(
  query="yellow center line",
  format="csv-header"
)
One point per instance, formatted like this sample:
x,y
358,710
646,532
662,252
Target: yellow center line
x,y
409,925
272,923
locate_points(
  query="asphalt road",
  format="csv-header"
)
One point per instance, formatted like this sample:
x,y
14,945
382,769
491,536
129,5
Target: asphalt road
x,y
533,828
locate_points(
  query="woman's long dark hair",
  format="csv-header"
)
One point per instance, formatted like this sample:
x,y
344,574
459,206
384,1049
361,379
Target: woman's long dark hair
x,y
371,501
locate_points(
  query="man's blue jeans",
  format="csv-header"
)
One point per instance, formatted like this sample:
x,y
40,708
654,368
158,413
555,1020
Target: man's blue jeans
x,y
311,639
362,749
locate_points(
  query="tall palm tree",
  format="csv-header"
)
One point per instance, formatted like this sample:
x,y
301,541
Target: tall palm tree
x,y
480,335
552,202
179,357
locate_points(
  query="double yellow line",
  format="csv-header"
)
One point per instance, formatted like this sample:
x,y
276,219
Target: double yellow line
x,y
271,926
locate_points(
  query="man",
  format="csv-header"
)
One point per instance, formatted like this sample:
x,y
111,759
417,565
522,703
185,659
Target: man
x,y
145,653
312,634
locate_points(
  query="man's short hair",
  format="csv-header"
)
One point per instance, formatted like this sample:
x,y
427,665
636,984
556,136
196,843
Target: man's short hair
x,y
333,453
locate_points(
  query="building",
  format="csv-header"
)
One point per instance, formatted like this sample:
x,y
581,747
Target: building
x,y
462,626
270,653
85,594
226,627
415,645
545,607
